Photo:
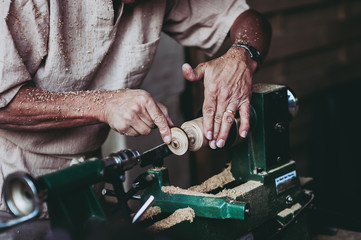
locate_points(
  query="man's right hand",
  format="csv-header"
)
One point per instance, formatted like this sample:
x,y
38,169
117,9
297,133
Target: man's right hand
x,y
130,112
135,112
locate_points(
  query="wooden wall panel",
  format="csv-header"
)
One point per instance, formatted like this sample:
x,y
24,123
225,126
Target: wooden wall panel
x,y
311,30
312,73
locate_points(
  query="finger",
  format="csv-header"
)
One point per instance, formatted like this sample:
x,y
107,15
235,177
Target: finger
x,y
139,112
130,131
166,114
147,120
227,121
223,102
135,127
244,113
124,125
159,120
140,126
193,74
209,109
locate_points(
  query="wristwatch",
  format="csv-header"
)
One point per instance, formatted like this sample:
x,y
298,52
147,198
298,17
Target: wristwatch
x,y
253,52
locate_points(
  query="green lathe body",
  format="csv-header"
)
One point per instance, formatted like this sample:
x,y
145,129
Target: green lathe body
x,y
263,167
71,201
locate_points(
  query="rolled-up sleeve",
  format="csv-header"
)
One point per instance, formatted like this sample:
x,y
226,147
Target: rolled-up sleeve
x,y
203,24
23,34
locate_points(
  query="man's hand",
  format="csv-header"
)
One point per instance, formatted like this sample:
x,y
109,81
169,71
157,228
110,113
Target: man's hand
x,y
130,112
228,79
227,89
135,112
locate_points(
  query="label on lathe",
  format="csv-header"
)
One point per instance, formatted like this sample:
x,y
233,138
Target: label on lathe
x,y
286,181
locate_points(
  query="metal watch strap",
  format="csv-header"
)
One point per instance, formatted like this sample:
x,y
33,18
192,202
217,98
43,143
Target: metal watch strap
x,y
253,52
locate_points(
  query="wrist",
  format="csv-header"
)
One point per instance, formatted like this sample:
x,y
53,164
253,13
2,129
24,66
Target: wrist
x,y
107,103
251,51
101,104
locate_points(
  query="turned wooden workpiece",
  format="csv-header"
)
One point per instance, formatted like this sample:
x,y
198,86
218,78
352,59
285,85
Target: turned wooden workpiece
x,y
179,144
194,131
188,137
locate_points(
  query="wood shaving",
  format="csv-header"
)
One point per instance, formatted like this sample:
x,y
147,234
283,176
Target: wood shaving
x,y
233,193
178,190
150,213
180,215
214,182
240,190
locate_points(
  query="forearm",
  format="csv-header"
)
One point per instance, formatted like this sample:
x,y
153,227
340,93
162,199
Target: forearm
x,y
252,28
129,112
35,109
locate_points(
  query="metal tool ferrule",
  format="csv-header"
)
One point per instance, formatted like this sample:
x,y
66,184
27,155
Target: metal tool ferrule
x,y
126,159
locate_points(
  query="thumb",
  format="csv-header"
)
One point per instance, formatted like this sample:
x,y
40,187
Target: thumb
x,y
193,74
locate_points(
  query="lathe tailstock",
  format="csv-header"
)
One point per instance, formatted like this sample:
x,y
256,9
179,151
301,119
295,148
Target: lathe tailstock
x,y
258,196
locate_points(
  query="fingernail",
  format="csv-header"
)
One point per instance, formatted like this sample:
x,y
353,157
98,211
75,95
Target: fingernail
x,y
213,144
244,134
209,135
220,143
166,139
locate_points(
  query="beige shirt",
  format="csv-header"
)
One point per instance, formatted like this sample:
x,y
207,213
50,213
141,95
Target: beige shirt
x,y
84,45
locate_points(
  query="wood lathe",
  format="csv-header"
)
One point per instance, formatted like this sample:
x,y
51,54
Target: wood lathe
x,y
257,197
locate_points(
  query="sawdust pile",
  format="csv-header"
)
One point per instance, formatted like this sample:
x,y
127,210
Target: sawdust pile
x,y
214,182
290,211
178,190
233,193
150,213
240,190
180,215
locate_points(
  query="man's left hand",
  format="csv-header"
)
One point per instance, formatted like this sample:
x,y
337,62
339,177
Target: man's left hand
x,y
227,89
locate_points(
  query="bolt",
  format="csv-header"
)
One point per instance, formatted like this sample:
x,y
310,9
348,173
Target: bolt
x,y
247,211
289,199
104,192
279,127
122,178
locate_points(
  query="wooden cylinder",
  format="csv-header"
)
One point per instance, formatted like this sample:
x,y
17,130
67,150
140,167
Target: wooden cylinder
x,y
194,131
190,136
179,144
